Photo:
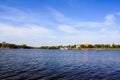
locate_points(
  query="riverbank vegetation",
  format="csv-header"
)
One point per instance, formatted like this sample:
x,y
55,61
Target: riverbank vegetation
x,y
14,46
84,46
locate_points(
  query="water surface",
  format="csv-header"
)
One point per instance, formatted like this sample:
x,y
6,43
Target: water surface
x,y
35,64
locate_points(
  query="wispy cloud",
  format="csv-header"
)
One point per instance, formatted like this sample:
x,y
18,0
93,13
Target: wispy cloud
x,y
80,26
15,14
25,31
109,20
69,25
58,16
94,32
68,29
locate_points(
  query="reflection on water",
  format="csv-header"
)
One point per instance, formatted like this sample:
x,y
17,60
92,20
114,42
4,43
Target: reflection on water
x,y
85,57
16,64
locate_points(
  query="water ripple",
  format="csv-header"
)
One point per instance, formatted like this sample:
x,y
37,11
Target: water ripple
x,y
59,65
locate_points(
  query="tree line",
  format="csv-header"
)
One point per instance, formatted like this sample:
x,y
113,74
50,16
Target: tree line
x,y
69,47
84,46
14,46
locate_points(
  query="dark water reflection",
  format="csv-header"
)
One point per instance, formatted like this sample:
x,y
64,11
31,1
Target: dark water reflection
x,y
21,64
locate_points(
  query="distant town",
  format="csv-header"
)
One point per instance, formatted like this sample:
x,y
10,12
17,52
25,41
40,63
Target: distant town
x,y
83,46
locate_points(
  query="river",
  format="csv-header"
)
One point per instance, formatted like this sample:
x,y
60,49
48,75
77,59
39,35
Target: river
x,y
36,64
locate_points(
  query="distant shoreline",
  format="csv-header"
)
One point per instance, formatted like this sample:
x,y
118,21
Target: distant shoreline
x,y
84,46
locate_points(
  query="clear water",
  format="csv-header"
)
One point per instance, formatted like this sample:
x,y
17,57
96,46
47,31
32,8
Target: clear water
x,y
33,64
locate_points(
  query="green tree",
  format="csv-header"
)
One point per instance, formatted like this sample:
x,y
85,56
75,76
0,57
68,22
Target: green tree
x,y
83,46
91,46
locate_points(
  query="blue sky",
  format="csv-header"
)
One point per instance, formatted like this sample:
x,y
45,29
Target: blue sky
x,y
59,22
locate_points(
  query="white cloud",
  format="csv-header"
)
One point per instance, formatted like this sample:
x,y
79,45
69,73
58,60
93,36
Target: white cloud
x,y
109,20
68,29
26,31
59,16
78,27
89,24
15,14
